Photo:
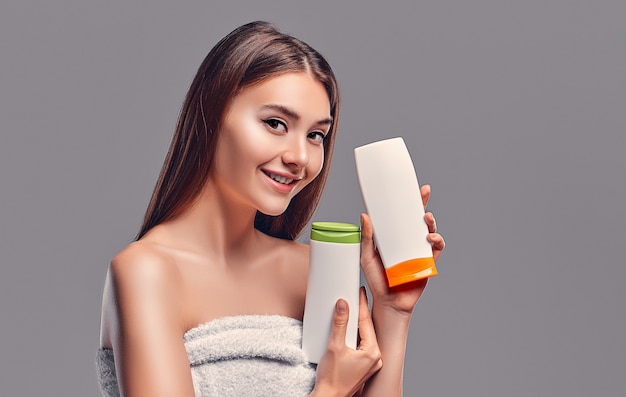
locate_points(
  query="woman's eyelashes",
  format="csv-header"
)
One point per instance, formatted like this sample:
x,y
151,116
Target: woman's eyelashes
x,y
276,125
317,137
280,126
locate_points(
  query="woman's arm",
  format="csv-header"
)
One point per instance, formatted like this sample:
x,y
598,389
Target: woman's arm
x,y
392,308
144,325
392,329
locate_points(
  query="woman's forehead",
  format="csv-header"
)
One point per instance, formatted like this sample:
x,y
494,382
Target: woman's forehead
x,y
298,91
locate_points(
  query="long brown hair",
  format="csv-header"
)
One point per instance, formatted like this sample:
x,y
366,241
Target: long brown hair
x,y
246,56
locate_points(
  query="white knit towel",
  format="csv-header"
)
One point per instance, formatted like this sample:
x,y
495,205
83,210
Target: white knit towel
x,y
251,355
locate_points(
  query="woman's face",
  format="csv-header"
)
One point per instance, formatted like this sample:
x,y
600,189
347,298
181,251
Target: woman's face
x,y
270,145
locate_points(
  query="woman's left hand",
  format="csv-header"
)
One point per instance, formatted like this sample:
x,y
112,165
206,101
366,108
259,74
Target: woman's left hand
x,y
401,298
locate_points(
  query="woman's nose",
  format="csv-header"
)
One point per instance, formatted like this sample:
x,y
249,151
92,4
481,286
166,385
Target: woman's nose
x,y
296,153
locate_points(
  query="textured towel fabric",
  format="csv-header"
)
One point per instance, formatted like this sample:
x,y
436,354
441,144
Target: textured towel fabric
x,y
252,355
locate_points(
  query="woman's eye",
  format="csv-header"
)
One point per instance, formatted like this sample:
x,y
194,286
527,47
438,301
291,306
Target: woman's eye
x,y
317,137
276,124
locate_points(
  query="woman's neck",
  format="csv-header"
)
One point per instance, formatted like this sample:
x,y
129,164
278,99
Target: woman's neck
x,y
213,226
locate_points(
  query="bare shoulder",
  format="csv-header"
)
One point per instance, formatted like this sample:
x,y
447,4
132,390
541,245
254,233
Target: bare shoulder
x,y
294,252
142,309
139,279
293,258
300,251
142,263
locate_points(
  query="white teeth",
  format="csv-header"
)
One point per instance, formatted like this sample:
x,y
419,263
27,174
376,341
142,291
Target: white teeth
x,y
280,179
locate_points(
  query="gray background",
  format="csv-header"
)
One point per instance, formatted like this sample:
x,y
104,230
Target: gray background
x,y
512,110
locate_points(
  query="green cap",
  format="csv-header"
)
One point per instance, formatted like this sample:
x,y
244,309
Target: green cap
x,y
335,232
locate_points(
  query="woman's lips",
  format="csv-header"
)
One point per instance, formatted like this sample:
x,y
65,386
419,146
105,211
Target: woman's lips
x,y
281,182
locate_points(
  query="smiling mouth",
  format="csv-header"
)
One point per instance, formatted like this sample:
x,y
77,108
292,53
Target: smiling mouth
x,y
280,179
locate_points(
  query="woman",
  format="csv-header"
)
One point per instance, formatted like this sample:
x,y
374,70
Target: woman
x,y
209,299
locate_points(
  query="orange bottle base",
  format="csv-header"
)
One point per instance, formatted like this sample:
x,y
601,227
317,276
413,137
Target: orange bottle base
x,y
411,270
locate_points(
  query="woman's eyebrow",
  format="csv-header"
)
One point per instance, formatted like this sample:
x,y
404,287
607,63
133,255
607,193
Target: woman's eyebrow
x,y
293,114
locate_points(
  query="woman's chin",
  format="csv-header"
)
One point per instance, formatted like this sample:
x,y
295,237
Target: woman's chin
x,y
271,213
274,210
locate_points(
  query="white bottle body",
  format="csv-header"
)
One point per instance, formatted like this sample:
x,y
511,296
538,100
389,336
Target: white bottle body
x,y
392,197
334,272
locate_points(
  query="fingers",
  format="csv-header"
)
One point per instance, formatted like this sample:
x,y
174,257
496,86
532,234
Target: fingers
x,y
339,326
370,259
369,343
436,240
431,222
343,370
367,234
438,244
433,237
366,326
425,191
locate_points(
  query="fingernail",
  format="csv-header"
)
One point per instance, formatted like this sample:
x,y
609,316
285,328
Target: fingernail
x,y
341,306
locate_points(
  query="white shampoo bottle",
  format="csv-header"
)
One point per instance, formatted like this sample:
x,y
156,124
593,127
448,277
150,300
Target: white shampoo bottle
x,y
334,272
393,201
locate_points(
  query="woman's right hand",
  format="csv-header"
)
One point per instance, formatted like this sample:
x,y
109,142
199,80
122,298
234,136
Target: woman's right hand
x,y
342,371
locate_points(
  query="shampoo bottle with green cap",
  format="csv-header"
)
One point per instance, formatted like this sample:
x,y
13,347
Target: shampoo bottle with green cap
x,y
334,272
391,194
